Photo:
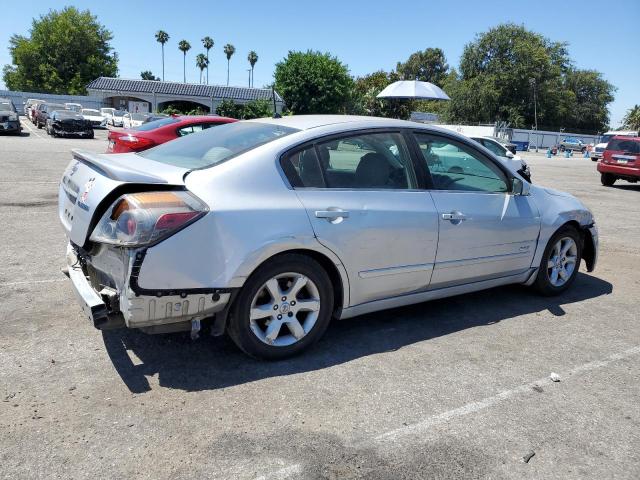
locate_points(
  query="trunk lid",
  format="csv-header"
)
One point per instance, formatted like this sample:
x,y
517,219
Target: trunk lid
x,y
91,180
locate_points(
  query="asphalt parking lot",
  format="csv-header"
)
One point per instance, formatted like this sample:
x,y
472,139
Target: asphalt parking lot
x,y
457,388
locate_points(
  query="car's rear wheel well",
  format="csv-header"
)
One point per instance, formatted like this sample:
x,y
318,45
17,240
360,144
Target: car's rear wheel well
x,y
330,268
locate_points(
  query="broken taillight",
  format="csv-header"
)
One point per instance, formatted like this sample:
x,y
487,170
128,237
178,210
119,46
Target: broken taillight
x,y
137,219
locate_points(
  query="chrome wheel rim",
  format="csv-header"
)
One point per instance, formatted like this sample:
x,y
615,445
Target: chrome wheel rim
x,y
562,261
285,309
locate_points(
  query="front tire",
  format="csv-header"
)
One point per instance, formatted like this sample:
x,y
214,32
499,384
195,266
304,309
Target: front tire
x,y
607,179
283,308
560,262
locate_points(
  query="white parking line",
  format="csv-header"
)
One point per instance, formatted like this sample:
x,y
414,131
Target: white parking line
x,y
434,420
31,130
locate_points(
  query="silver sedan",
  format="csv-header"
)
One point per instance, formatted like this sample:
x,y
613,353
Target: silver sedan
x,y
267,229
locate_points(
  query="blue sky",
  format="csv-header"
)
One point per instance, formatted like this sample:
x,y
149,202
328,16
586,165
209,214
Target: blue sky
x,y
365,35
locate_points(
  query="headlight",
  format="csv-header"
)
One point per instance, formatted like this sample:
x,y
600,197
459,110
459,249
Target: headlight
x,y
138,219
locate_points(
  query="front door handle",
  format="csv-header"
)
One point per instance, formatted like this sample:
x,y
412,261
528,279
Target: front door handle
x,y
454,217
332,214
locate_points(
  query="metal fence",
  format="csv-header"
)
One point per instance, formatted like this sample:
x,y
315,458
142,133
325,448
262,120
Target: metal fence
x,y
546,139
19,99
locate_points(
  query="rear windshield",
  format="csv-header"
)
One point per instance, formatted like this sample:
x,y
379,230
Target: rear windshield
x,y
156,124
215,145
624,145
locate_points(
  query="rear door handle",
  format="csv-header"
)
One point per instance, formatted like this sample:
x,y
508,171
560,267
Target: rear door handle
x,y
332,214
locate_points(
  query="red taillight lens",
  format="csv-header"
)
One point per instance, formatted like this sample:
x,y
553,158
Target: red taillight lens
x,y
139,219
134,142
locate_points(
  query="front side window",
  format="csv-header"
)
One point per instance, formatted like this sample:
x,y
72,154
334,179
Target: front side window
x,y
366,161
494,148
455,166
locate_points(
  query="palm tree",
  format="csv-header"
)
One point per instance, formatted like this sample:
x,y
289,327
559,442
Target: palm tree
x,y
207,43
253,59
632,118
162,37
201,63
229,50
184,47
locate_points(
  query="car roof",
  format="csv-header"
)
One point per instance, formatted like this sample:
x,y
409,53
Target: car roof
x,y
306,122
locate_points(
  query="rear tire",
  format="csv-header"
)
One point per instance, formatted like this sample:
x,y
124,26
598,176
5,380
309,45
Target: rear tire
x,y
273,328
560,262
607,179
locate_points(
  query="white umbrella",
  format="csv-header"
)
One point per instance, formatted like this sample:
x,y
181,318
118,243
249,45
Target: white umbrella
x,y
413,89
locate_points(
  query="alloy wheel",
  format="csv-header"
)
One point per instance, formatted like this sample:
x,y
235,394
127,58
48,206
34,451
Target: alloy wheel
x,y
562,261
284,309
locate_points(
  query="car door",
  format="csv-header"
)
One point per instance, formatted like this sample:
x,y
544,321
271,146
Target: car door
x,y
360,193
485,231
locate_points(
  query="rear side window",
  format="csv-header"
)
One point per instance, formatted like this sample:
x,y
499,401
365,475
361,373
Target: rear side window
x,y
365,161
624,145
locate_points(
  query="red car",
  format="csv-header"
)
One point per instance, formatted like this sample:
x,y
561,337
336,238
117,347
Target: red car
x,y
620,160
160,131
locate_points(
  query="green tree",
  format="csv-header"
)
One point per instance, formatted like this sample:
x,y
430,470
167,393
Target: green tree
x,y
253,59
228,108
510,73
632,118
365,99
148,75
257,109
229,50
207,43
429,65
313,82
65,50
184,47
162,37
201,63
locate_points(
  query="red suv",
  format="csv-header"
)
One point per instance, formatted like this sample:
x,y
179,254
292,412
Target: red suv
x,y
160,131
620,160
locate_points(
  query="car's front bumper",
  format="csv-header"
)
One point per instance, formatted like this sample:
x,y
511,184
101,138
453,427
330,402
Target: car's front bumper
x,y
11,126
122,304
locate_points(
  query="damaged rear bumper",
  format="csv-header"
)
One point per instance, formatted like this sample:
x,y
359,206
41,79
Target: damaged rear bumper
x,y
115,304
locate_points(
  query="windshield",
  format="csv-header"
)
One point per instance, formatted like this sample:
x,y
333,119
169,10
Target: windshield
x,y
119,113
605,138
215,145
139,116
5,106
156,124
88,111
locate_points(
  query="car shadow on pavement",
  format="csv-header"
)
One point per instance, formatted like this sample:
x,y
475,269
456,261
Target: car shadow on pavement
x,y
212,363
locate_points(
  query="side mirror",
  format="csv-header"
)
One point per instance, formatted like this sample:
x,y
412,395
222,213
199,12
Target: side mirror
x,y
520,187
510,154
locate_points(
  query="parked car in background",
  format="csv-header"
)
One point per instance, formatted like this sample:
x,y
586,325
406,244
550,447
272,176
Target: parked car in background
x,y
596,153
107,112
95,117
130,120
43,111
74,107
621,160
9,121
117,118
160,131
500,150
28,105
268,228
33,110
572,143
62,123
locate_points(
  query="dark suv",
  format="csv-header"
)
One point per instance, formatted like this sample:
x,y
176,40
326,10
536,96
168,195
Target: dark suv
x,y
43,112
9,121
621,160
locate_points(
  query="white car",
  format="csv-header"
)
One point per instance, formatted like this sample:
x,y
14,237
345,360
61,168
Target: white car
x,y
74,107
95,117
117,118
268,228
107,112
131,120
